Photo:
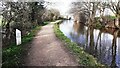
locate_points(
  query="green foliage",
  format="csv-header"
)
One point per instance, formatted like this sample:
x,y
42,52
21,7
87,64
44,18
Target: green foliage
x,y
106,18
111,17
0,21
98,25
84,58
47,22
12,54
20,15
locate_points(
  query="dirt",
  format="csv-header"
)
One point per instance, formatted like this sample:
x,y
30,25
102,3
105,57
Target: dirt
x,y
47,50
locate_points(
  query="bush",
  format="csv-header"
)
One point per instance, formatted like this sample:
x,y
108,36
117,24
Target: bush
x,y
12,54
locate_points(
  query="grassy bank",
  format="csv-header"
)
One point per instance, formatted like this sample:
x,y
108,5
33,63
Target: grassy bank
x,y
11,55
84,58
98,25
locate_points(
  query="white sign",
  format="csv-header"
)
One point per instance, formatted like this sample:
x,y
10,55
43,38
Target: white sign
x,y
18,37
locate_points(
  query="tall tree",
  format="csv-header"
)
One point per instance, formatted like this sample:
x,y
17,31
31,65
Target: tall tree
x,y
92,7
37,9
20,15
115,8
88,8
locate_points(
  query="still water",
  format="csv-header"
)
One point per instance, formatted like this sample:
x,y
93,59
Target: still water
x,y
103,44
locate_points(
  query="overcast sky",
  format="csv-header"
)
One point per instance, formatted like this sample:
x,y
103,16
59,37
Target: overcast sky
x,y
62,5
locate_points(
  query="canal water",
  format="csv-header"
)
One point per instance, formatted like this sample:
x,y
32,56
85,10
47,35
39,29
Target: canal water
x,y
103,44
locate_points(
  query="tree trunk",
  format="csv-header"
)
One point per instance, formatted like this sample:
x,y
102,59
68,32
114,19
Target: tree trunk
x,y
92,15
117,21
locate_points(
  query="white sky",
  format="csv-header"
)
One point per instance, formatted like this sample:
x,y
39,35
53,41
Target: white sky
x,y
62,5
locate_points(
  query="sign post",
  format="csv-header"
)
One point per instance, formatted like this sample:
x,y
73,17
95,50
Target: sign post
x,y
18,37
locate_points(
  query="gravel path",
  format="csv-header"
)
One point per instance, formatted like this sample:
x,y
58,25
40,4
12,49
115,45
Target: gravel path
x,y
47,50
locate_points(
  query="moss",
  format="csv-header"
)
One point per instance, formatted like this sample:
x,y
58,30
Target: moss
x,y
84,58
11,55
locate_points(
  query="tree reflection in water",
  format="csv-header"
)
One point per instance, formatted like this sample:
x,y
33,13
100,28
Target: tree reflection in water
x,y
114,47
100,43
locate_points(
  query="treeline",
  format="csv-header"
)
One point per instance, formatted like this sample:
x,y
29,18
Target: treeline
x,y
23,16
89,10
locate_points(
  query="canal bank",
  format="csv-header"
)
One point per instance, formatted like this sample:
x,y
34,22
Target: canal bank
x,y
84,58
102,44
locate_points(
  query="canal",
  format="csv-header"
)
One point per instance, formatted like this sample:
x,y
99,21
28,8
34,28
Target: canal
x,y
103,44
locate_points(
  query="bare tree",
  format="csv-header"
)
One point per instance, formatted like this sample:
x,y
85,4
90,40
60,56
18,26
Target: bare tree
x,y
101,7
92,7
115,8
51,14
88,8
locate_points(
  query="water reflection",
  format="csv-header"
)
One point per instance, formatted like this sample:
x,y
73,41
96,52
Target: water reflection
x,y
79,28
103,44
114,47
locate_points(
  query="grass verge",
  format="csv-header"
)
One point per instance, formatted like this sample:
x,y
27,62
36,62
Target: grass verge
x,y
11,55
85,59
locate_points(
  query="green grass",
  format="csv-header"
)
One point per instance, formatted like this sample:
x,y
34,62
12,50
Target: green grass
x,y
11,55
85,59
